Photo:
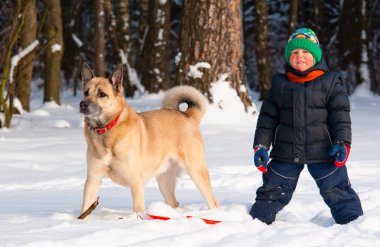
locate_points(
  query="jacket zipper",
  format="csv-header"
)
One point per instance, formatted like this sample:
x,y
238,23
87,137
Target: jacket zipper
x,y
328,133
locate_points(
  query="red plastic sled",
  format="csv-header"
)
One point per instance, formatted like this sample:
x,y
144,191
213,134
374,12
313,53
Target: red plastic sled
x,y
207,221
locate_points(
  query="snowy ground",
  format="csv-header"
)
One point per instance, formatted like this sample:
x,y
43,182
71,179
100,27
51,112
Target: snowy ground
x,y
42,172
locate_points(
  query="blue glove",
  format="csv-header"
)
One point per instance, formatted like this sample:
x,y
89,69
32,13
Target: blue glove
x,y
341,152
261,157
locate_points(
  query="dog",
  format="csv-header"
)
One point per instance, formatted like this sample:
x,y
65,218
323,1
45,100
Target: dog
x,y
131,147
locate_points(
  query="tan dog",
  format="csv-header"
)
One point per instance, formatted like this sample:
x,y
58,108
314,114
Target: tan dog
x,y
132,147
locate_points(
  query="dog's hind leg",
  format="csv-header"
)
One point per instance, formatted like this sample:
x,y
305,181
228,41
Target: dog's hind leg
x,y
137,189
166,182
197,170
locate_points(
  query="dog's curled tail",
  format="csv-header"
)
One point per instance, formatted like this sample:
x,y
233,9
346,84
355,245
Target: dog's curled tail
x,y
195,100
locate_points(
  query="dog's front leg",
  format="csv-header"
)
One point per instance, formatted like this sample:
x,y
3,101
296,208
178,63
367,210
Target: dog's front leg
x,y
137,189
95,174
90,193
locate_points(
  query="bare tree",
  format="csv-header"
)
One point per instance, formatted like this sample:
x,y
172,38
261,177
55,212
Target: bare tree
x,y
318,16
211,42
14,33
261,47
368,28
11,61
25,68
142,32
53,52
99,38
293,15
155,74
123,20
353,49
71,58
120,35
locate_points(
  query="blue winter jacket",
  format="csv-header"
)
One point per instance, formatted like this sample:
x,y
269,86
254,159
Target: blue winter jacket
x,y
301,121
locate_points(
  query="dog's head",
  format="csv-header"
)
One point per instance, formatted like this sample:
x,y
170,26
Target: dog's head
x,y
102,97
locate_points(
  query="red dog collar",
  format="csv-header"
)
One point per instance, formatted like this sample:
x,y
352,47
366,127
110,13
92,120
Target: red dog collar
x,y
101,130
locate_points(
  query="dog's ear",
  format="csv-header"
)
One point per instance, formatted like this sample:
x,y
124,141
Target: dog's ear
x,y
87,74
116,78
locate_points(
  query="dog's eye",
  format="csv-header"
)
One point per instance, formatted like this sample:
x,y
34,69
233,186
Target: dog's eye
x,y
86,93
101,94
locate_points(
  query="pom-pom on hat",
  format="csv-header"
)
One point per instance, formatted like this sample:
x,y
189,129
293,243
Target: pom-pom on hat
x,y
303,38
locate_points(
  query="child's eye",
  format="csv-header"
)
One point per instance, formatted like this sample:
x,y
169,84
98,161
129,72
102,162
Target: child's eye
x,y
101,94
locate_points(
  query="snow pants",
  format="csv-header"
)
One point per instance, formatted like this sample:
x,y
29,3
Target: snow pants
x,y
280,181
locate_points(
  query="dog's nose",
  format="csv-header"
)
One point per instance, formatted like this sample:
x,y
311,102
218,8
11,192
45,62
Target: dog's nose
x,y
83,106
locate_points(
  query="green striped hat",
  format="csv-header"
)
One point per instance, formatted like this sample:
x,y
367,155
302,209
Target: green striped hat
x,y
303,38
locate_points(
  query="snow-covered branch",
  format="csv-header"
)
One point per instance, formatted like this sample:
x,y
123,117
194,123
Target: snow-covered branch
x,y
17,58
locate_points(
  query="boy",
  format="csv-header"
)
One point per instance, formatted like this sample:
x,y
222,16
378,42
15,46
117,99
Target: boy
x,y
306,119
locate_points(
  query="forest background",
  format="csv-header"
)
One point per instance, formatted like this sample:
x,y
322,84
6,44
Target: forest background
x,y
164,43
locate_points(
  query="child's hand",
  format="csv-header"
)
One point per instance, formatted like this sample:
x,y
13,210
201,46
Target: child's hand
x,y
341,152
261,157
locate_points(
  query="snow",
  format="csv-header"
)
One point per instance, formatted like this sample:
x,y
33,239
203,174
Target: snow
x,y
177,58
43,169
194,71
55,48
77,41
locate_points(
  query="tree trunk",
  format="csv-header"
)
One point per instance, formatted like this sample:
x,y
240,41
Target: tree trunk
x,y
14,33
155,74
318,17
54,51
112,32
211,43
142,32
369,27
122,37
250,61
99,38
261,47
25,67
293,15
351,44
70,57
123,28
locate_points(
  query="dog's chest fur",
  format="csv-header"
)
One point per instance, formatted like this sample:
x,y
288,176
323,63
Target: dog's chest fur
x,y
113,160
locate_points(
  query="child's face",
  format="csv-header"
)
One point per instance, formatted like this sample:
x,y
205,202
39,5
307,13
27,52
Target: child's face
x,y
301,59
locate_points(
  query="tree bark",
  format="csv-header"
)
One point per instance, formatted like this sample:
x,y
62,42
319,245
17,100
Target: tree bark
x,y
123,28
99,38
212,33
70,57
261,47
142,31
155,74
25,67
14,33
250,62
350,46
54,51
318,17
112,31
369,27
124,38
293,15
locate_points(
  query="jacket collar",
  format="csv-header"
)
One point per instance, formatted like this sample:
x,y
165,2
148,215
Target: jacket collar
x,y
307,75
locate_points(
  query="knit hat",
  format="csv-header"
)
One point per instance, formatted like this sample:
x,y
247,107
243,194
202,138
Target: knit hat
x,y
303,38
